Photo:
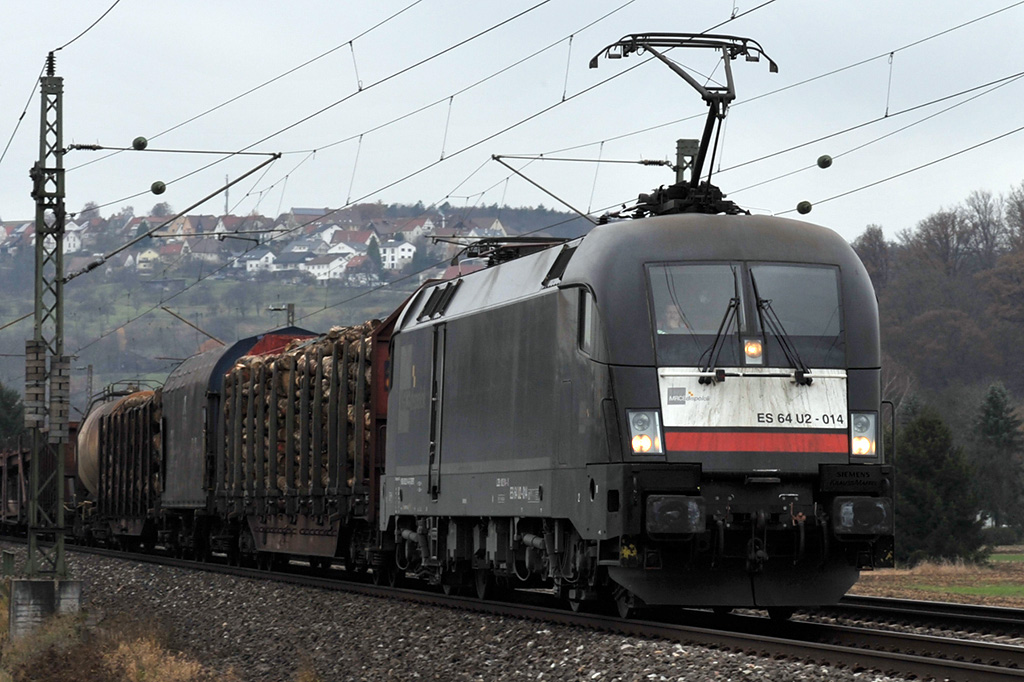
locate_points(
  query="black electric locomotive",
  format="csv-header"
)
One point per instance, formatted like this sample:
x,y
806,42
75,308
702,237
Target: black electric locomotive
x,y
676,410
680,409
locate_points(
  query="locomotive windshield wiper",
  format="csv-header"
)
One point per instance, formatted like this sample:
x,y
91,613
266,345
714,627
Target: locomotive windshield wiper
x,y
731,312
719,342
770,322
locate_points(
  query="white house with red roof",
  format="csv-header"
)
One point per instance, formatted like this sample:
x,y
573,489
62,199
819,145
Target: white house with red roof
x,y
354,237
414,229
172,252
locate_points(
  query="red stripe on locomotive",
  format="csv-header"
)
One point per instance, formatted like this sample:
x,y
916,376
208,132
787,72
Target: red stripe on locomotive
x,y
749,441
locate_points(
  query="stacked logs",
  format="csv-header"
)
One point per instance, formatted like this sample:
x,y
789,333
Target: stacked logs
x,y
132,455
298,421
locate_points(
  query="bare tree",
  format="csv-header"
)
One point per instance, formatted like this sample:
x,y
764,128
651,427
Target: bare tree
x,y
897,380
874,253
89,211
983,215
1013,211
942,240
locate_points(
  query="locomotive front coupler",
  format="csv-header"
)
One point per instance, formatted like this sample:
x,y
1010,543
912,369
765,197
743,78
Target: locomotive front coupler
x,y
757,557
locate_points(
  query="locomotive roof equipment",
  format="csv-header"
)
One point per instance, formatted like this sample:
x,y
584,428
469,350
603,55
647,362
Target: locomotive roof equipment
x,y
694,196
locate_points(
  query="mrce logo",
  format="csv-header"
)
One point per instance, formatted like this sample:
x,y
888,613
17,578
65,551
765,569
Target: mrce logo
x,y
680,396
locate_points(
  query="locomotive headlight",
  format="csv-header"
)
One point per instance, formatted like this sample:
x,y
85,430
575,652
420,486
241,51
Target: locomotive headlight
x,y
642,443
863,433
754,351
644,432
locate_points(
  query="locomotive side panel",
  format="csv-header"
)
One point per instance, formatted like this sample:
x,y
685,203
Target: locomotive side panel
x,y
474,404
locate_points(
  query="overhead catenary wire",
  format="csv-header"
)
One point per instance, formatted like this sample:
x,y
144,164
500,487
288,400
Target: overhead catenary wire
x,y
471,86
912,170
999,82
400,72
431,165
791,86
150,233
268,82
24,111
351,95
994,85
91,26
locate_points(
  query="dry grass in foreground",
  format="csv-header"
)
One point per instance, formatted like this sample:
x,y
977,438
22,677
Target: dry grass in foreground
x,y
66,650
1000,582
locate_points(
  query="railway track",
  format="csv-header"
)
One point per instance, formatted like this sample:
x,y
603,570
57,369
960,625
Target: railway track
x,y
855,648
930,612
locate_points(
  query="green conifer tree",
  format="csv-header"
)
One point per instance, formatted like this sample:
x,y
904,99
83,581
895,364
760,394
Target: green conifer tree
x,y
373,253
12,415
936,507
996,455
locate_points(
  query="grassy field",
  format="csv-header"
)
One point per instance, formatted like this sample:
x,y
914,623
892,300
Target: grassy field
x,y
999,582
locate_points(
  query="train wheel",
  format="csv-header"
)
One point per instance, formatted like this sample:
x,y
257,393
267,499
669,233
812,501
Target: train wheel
x,y
265,561
451,583
483,584
722,610
626,603
780,614
380,575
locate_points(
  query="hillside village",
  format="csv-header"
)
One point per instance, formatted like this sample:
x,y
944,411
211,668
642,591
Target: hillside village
x,y
358,246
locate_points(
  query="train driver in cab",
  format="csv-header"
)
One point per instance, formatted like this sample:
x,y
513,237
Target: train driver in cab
x,y
672,321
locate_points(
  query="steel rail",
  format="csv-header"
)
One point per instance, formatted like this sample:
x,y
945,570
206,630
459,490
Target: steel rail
x,y
930,610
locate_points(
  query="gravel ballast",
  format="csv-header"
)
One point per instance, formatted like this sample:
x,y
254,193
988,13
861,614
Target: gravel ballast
x,y
268,631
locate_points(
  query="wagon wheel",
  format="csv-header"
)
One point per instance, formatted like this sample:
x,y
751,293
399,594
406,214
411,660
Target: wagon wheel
x,y
265,561
388,573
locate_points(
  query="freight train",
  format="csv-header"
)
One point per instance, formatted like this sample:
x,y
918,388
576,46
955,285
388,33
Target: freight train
x,y
677,409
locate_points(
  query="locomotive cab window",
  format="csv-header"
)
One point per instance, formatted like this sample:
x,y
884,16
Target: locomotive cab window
x,y
586,322
694,304
757,314
802,304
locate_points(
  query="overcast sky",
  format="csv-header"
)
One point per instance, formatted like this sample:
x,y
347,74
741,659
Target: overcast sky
x,y
148,67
